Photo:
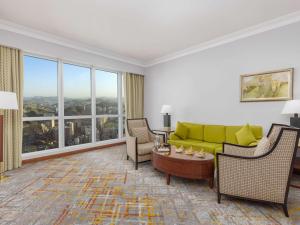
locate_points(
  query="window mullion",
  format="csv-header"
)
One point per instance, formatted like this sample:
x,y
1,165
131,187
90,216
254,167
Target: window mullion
x,y
93,103
61,105
120,109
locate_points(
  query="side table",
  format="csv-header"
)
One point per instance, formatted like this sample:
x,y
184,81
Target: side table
x,y
165,131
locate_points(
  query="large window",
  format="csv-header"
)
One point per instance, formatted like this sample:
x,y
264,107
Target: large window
x,y
67,104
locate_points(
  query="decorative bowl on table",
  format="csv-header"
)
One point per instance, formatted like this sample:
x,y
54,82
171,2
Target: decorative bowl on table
x,y
190,151
179,150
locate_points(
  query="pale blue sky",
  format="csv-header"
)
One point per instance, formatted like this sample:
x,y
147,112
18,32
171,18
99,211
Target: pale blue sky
x,y
40,79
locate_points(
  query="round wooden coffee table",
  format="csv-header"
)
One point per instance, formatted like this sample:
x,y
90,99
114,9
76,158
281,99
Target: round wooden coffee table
x,y
181,165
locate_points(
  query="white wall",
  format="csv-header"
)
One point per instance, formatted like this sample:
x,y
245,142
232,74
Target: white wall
x,y
204,87
57,51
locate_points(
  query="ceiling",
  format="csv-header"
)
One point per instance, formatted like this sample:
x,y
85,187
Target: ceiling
x,y
145,30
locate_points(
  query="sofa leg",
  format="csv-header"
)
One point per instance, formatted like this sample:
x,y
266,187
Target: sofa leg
x,y
285,210
219,198
136,165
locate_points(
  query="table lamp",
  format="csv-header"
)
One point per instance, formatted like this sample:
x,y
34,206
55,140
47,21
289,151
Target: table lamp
x,y
8,100
166,110
292,107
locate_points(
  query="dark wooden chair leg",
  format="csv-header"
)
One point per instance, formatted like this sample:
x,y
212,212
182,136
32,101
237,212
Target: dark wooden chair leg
x,y
136,165
127,157
219,198
285,210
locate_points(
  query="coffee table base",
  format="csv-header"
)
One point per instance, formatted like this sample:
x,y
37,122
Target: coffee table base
x,y
209,180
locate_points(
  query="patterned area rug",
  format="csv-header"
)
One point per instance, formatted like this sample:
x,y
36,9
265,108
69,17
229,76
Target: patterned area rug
x,y
102,187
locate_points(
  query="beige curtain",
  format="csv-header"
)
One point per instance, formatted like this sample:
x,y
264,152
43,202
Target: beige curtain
x,y
11,79
134,95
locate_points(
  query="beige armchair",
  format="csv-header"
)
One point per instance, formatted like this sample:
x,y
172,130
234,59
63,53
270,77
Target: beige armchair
x,y
265,177
139,152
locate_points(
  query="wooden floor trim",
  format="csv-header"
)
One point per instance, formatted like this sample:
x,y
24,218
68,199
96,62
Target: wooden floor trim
x,y
59,155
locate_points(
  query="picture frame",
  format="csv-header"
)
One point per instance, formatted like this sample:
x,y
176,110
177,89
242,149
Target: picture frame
x,y
276,85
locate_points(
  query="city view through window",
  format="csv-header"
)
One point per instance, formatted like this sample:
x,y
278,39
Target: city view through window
x,y
59,110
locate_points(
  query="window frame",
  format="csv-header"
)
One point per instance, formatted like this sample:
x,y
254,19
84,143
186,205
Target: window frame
x,y
61,117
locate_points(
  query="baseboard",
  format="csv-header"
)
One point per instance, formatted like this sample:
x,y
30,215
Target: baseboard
x,y
59,155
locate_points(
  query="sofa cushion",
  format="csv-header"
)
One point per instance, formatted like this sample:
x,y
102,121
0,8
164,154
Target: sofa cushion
x,y
214,133
195,131
141,133
181,130
231,130
144,149
257,132
245,136
187,143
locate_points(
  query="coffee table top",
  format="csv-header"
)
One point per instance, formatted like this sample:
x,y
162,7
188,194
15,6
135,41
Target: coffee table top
x,y
181,156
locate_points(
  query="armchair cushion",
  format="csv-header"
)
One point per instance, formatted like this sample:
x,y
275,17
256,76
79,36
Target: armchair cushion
x,y
146,148
262,147
181,131
141,133
245,136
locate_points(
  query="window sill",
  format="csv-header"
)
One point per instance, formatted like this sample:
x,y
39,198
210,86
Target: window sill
x,y
55,153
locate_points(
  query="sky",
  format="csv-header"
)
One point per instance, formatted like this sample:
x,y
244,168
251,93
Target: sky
x,y
40,79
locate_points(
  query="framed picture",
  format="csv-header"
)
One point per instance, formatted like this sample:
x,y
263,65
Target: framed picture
x,y
267,86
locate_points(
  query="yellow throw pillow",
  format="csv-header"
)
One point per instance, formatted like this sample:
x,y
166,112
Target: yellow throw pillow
x,y
245,136
141,133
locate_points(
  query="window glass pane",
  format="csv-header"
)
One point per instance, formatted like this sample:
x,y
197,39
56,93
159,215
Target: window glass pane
x,y
40,87
77,90
78,131
106,93
40,135
107,128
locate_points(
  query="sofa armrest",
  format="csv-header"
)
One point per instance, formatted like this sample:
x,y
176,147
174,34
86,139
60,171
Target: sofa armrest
x,y
173,136
239,150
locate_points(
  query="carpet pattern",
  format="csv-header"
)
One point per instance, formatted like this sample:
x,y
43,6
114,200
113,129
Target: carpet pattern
x,y
102,187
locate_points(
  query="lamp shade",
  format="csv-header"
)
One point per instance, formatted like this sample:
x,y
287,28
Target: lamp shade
x,y
166,109
291,107
8,100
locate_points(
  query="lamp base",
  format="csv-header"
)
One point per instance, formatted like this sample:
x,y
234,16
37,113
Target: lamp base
x,y
295,122
167,120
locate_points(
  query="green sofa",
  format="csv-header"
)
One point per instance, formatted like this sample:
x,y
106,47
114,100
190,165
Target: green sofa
x,y
210,138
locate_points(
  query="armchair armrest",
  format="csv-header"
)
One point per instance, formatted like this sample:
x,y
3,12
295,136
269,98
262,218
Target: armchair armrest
x,y
250,177
131,143
232,149
153,134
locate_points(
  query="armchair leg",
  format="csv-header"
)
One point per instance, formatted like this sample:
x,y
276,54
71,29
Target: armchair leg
x,y
127,157
136,165
219,198
285,210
